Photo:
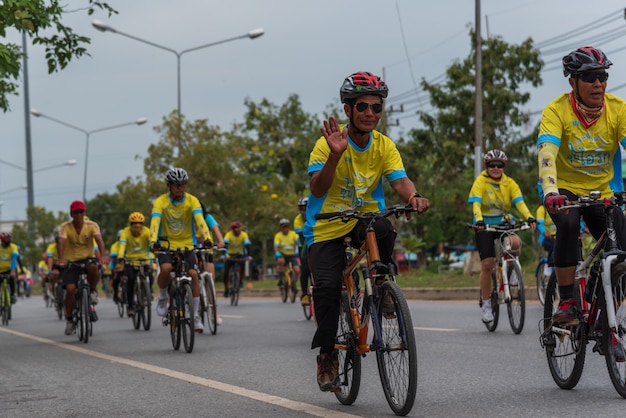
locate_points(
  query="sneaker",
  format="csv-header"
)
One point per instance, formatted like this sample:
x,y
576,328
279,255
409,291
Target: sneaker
x,y
93,315
305,299
94,297
567,313
130,311
70,328
161,307
198,325
487,315
328,372
218,321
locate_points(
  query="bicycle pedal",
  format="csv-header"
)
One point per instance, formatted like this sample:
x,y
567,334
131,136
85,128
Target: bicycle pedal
x,y
597,348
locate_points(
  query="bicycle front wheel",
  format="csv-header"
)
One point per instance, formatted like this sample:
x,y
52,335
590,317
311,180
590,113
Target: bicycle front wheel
x,y
495,306
145,303
234,288
60,300
284,288
187,318
565,347
83,315
211,308
6,305
121,301
138,298
397,357
349,359
517,305
541,280
614,342
293,286
175,326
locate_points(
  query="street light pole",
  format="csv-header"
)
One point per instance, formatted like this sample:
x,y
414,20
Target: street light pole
x,y
87,133
68,162
253,34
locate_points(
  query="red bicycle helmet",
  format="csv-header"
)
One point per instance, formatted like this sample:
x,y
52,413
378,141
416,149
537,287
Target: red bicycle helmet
x,y
360,84
585,59
5,237
235,225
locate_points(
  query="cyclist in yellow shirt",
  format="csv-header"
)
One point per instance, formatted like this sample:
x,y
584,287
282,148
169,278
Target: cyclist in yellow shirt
x,y
134,245
178,216
76,245
9,255
237,244
298,226
286,244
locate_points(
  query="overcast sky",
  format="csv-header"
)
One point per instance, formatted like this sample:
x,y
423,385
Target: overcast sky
x,y
308,49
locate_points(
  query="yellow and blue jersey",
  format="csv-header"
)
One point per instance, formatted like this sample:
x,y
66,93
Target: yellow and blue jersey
x,y
134,247
8,257
492,199
286,244
181,221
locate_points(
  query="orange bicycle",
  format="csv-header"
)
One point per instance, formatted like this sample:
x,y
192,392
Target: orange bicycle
x,y
384,305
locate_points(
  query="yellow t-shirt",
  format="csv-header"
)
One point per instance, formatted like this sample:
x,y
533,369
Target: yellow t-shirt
x,y
287,243
492,199
236,244
8,258
51,252
182,222
132,247
78,246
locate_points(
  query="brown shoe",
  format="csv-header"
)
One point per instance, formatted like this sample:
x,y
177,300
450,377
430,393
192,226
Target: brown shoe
x,y
328,372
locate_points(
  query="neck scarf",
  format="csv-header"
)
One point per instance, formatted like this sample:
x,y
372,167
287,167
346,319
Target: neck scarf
x,y
585,114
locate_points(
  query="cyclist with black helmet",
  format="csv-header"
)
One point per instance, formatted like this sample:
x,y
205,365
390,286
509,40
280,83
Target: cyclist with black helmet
x,y
298,227
237,244
178,216
134,244
286,245
346,168
578,152
491,196
9,255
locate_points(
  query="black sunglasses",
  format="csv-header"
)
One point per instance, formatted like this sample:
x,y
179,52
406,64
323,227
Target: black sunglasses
x,y
495,165
362,107
592,76
79,211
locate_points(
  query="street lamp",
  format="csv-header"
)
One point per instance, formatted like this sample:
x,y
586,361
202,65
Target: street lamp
x,y
87,133
22,187
253,34
68,162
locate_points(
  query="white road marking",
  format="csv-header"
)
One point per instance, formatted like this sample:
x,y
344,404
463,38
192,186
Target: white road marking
x,y
436,329
300,407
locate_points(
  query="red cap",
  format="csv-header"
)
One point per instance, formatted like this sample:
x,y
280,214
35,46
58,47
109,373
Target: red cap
x,y
77,205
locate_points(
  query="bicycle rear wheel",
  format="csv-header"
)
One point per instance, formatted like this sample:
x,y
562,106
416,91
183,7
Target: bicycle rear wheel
x,y
495,306
145,303
187,320
516,307
175,326
397,357
138,310
565,353
349,360
211,308
121,301
614,342
60,300
541,280
293,286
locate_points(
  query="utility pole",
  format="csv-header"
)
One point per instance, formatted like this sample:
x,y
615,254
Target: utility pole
x,y
478,107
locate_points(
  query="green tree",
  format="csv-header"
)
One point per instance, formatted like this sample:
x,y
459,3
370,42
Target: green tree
x,y
34,17
439,157
33,237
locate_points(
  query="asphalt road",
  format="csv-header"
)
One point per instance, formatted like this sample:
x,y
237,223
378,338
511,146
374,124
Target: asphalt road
x,y
259,365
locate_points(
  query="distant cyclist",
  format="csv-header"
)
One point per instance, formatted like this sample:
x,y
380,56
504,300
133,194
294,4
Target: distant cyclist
x,y
237,244
134,245
305,273
178,216
9,255
286,245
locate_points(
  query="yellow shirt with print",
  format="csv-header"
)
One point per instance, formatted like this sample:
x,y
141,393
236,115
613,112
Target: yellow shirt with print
x,y
286,244
182,222
78,246
134,247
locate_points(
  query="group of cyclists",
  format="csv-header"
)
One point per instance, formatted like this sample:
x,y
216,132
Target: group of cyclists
x,y
578,152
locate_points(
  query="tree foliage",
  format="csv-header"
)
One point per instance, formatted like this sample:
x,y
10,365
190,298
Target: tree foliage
x,y
33,17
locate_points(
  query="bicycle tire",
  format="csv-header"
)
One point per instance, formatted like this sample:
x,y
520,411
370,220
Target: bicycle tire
x,y
541,280
293,287
611,340
565,354
60,300
6,305
175,327
234,287
349,360
187,320
397,358
308,311
146,304
82,328
495,306
138,311
516,307
121,300
284,288
211,308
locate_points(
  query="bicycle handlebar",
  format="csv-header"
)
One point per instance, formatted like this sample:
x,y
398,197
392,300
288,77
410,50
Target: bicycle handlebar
x,y
349,214
507,227
587,201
